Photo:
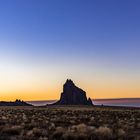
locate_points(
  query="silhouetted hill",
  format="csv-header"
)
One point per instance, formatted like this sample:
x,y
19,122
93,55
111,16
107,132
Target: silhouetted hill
x,y
73,95
16,103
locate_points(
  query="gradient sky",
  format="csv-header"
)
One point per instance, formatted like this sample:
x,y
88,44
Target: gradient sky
x,y
96,43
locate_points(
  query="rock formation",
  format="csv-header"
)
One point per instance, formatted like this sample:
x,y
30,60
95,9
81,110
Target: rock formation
x,y
16,103
73,95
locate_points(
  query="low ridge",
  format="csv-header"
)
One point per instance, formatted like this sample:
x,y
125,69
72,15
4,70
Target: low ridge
x,y
16,103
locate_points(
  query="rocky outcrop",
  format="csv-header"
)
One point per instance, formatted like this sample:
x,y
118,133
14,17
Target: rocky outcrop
x,y
16,103
73,95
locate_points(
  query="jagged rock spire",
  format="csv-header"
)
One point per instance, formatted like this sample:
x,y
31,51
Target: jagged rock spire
x,y
73,95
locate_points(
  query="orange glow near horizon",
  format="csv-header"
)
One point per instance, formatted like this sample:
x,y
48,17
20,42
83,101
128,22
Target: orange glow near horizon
x,y
46,83
96,92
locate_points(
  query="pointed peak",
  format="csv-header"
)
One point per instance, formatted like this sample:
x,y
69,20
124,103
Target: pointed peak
x,y
90,101
69,81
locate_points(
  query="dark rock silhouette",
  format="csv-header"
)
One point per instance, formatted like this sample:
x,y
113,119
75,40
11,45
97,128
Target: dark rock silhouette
x,y
73,95
16,103
90,101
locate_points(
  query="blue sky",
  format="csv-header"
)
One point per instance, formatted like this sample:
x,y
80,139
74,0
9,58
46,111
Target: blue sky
x,y
78,38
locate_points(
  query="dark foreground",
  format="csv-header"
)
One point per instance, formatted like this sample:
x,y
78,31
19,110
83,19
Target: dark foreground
x,y
69,123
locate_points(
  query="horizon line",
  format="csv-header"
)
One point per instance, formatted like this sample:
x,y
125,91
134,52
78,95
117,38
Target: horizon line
x,y
92,99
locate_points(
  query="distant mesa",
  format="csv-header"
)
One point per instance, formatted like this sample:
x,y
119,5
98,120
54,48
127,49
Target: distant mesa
x,y
16,103
73,95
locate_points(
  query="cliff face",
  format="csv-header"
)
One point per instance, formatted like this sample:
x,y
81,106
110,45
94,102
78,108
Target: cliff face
x,y
73,95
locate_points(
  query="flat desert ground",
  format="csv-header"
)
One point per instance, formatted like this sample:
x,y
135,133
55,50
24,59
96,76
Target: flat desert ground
x,y
69,123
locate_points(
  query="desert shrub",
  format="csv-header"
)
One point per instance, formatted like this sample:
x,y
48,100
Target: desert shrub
x,y
57,135
69,136
138,125
14,130
43,138
121,133
52,126
104,132
82,128
37,132
29,133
